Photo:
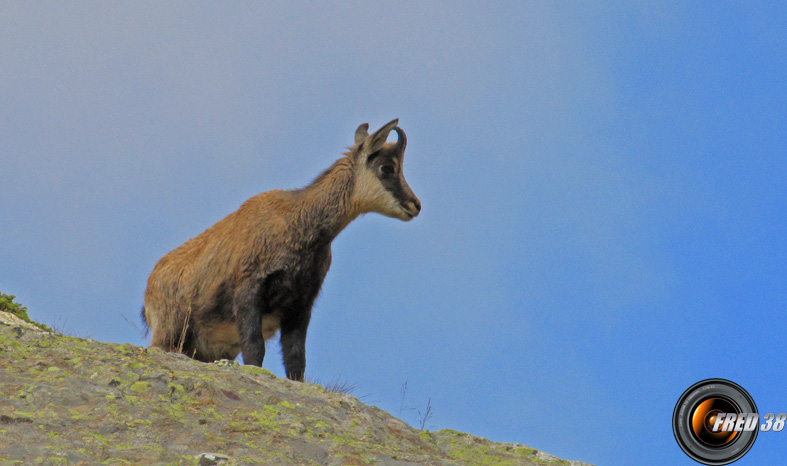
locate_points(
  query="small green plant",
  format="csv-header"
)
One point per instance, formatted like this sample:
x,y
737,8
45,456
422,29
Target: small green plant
x,y
7,304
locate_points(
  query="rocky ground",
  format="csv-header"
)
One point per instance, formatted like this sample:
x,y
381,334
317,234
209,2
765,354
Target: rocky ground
x,y
67,400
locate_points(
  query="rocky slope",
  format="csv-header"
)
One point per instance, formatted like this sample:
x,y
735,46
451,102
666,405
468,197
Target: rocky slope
x,y
67,400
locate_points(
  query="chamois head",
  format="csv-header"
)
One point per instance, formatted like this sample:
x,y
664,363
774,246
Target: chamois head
x,y
379,184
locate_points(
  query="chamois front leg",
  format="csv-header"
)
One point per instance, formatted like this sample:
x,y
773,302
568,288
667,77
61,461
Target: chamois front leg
x,y
293,345
248,309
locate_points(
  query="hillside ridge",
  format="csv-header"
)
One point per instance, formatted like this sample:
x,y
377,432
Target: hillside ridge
x,y
67,400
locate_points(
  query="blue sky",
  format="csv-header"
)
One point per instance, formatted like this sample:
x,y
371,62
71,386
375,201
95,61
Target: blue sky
x,y
603,194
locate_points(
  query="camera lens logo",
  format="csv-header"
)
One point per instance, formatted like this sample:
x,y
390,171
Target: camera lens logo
x,y
715,422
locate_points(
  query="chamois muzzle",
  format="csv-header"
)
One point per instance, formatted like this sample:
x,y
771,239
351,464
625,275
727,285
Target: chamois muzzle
x,y
412,208
410,204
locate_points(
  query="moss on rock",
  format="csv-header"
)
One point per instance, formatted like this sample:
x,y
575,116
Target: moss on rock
x,y
75,401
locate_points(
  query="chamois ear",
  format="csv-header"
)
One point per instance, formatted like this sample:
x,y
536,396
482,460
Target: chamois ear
x,y
361,133
378,138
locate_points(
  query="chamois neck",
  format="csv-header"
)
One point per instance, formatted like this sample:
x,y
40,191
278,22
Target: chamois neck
x,y
325,205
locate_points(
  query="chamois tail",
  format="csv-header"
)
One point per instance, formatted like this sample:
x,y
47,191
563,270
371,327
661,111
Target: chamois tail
x,y
144,321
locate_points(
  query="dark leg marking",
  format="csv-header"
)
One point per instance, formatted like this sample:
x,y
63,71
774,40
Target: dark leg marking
x,y
248,308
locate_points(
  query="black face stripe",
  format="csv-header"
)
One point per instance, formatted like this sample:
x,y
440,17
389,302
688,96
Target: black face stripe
x,y
373,156
392,182
385,155
381,157
394,186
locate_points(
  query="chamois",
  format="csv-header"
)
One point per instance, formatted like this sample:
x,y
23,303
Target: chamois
x,y
260,268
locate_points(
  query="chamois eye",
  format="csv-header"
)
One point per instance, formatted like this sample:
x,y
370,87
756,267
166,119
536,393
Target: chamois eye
x,y
387,169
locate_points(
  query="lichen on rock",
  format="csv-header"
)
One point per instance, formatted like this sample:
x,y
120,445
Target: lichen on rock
x,y
66,400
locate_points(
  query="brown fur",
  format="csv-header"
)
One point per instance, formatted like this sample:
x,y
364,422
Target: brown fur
x,y
260,268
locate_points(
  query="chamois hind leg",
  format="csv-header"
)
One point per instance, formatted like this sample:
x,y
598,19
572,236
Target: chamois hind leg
x,y
293,346
248,308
